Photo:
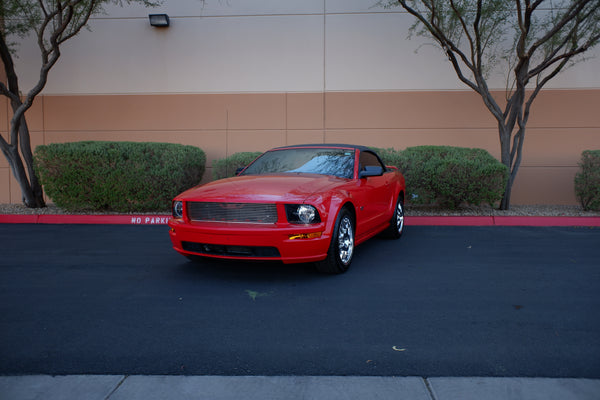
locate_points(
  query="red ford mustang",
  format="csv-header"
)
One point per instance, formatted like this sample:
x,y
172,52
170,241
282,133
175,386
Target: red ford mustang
x,y
306,203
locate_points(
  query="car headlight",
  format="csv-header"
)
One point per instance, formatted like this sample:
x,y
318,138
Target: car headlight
x,y
178,209
302,214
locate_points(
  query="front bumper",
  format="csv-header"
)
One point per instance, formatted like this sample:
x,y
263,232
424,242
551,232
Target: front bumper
x,y
289,243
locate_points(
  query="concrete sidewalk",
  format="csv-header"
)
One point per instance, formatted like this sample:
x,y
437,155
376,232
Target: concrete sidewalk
x,y
121,387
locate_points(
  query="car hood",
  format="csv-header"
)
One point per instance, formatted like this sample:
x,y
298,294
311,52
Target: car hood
x,y
263,188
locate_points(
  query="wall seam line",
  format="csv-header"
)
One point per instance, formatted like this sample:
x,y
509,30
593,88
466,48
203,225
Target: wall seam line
x,y
324,95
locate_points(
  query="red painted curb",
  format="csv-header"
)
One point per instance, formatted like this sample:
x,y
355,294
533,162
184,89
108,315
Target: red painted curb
x,y
501,221
85,219
18,219
105,219
449,221
410,220
547,221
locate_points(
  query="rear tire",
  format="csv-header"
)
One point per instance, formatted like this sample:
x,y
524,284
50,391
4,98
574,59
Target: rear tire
x,y
394,231
341,248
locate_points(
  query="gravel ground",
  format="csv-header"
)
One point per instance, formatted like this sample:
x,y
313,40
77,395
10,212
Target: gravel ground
x,y
516,210
54,210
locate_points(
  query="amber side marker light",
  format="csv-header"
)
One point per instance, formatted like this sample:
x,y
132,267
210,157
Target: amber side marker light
x,y
313,235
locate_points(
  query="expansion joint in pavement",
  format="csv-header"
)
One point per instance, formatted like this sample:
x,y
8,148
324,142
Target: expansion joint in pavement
x,y
117,386
429,389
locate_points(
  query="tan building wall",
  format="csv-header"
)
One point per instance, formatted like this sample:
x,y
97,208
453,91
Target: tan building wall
x,y
562,125
238,75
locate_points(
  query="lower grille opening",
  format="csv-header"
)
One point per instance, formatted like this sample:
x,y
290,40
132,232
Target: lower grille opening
x,y
231,251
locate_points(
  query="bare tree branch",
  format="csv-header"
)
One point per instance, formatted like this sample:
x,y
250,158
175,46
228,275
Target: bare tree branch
x,y
543,44
53,22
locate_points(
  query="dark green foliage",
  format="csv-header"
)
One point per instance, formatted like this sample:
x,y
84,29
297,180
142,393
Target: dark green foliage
x,y
389,156
587,180
226,167
449,176
117,176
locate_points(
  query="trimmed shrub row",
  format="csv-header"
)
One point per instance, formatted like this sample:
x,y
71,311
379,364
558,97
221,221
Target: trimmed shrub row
x,y
138,177
449,176
117,176
226,167
587,180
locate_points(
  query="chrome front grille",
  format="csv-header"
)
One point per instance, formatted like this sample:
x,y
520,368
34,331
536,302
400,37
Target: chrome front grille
x,y
248,213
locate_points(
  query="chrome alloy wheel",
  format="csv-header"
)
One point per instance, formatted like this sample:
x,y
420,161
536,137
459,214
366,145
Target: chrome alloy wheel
x,y
345,240
399,217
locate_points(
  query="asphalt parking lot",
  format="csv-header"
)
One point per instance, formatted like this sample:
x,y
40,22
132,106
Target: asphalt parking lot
x,y
442,301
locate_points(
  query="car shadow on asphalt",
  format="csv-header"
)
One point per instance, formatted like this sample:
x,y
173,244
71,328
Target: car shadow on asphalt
x,y
253,271
206,268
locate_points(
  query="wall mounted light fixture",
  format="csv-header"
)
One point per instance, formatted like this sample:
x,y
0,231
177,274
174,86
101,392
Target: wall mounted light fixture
x,y
159,20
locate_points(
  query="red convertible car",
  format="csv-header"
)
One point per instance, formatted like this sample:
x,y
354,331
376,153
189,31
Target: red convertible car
x,y
306,203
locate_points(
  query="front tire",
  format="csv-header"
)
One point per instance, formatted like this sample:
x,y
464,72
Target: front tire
x,y
341,248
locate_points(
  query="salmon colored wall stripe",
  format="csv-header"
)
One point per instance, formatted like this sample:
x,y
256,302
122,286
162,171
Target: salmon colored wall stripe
x,y
563,124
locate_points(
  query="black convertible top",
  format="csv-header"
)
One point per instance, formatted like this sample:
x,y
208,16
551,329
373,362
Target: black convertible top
x,y
327,145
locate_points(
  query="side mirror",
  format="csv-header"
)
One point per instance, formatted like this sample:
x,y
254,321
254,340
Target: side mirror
x,y
370,171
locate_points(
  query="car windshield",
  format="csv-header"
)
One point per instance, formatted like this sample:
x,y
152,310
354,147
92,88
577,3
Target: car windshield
x,y
336,162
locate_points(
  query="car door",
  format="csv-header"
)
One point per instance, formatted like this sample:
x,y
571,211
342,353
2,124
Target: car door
x,y
375,195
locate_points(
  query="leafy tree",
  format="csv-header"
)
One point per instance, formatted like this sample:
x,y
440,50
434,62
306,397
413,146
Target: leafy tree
x,y
533,40
53,22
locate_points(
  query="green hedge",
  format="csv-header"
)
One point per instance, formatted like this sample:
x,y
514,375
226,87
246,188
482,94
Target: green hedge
x,y
587,180
117,176
226,167
390,156
449,176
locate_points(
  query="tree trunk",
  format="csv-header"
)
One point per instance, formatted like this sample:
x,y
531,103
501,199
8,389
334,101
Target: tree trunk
x,y
36,199
32,196
505,202
504,136
21,165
